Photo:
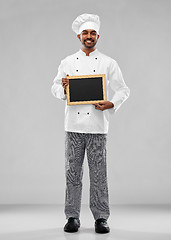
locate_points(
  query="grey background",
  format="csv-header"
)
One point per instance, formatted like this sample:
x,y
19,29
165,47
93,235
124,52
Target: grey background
x,y
35,36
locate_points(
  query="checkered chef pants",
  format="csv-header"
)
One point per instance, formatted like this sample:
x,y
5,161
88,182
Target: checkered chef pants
x,y
95,146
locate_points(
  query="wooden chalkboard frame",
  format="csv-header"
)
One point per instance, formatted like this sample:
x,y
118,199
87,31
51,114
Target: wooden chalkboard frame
x,y
102,76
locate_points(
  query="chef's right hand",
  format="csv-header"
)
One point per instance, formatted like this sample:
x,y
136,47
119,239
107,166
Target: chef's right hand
x,y
65,82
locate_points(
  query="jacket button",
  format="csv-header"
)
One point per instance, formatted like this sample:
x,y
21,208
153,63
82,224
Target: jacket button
x,y
76,70
77,57
87,113
78,113
96,58
94,70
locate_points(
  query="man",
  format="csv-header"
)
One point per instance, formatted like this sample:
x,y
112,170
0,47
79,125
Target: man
x,y
86,126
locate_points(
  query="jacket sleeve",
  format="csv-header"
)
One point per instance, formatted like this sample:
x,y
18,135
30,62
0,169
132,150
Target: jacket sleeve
x,y
57,89
120,92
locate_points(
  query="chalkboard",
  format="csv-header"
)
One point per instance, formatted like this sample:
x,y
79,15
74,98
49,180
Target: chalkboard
x,y
86,89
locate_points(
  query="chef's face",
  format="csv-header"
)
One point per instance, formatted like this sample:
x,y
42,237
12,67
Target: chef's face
x,y
88,38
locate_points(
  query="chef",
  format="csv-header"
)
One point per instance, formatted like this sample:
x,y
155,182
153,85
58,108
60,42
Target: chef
x,y
86,126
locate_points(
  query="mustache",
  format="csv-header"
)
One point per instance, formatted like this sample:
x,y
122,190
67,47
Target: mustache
x,y
89,39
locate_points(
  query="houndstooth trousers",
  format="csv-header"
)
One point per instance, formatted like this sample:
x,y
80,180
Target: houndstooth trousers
x,y
95,146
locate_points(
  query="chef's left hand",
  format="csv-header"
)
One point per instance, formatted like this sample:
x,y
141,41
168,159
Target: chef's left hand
x,y
103,105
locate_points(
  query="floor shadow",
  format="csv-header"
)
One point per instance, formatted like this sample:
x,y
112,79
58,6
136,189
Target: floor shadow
x,y
83,234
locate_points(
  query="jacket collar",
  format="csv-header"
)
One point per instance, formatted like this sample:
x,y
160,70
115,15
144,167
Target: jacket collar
x,y
94,53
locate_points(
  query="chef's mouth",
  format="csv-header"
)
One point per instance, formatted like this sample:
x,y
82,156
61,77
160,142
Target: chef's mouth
x,y
88,40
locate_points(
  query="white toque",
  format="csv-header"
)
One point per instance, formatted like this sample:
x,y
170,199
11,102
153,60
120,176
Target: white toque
x,y
86,21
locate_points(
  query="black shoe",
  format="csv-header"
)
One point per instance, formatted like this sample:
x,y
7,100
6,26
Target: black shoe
x,y
101,226
72,225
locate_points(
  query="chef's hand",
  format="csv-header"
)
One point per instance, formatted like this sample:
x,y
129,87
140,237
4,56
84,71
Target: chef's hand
x,y
103,105
65,83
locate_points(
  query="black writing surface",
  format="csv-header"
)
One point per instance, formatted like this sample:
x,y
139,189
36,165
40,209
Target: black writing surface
x,y
86,89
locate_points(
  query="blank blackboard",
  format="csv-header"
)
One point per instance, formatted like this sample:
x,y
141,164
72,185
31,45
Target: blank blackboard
x,y
86,89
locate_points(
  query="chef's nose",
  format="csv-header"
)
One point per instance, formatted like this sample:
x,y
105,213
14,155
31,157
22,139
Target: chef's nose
x,y
89,35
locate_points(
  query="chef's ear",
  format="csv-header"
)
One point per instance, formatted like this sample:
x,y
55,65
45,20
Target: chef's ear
x,y
78,36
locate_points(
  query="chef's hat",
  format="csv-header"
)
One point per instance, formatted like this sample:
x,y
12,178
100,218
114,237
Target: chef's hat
x,y
86,21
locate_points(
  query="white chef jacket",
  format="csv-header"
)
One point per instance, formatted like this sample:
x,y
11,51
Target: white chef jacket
x,y
85,118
